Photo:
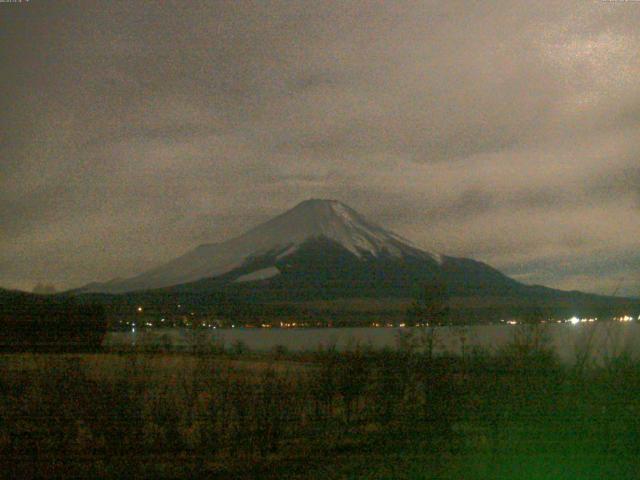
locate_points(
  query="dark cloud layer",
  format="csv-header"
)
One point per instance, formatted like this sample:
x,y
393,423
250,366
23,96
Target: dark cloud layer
x,y
506,131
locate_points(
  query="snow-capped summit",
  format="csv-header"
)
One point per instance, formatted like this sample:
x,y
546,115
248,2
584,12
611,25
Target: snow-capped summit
x,y
325,218
282,236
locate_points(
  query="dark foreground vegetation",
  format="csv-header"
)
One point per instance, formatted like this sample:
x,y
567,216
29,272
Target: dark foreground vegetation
x,y
53,323
402,413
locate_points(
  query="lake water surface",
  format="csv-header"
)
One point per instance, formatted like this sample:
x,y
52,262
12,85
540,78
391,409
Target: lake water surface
x,y
601,339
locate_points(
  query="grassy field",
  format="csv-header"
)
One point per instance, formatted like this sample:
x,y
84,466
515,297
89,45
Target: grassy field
x,y
398,413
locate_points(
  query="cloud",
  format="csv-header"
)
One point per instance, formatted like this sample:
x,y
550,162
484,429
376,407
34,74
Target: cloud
x,y
507,131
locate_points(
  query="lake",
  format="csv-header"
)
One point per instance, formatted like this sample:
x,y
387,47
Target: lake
x,y
602,339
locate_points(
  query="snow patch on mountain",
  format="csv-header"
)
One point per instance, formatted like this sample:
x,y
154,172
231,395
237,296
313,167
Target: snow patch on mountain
x,y
261,274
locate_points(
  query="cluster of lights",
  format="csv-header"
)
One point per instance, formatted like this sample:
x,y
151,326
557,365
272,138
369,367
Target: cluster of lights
x,y
391,325
288,324
509,322
575,320
206,325
400,325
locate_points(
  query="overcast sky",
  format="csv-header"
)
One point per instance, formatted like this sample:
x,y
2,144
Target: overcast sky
x,y
508,132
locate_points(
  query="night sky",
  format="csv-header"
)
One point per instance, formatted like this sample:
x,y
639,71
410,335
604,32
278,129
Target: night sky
x,y
508,132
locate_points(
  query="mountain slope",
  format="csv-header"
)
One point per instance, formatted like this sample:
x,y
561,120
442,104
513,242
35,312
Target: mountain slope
x,y
321,268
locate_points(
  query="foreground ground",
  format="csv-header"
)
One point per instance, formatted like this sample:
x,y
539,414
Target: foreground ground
x,y
402,413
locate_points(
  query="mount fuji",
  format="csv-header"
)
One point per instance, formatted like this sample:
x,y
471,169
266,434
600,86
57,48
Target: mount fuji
x,y
324,250
328,229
